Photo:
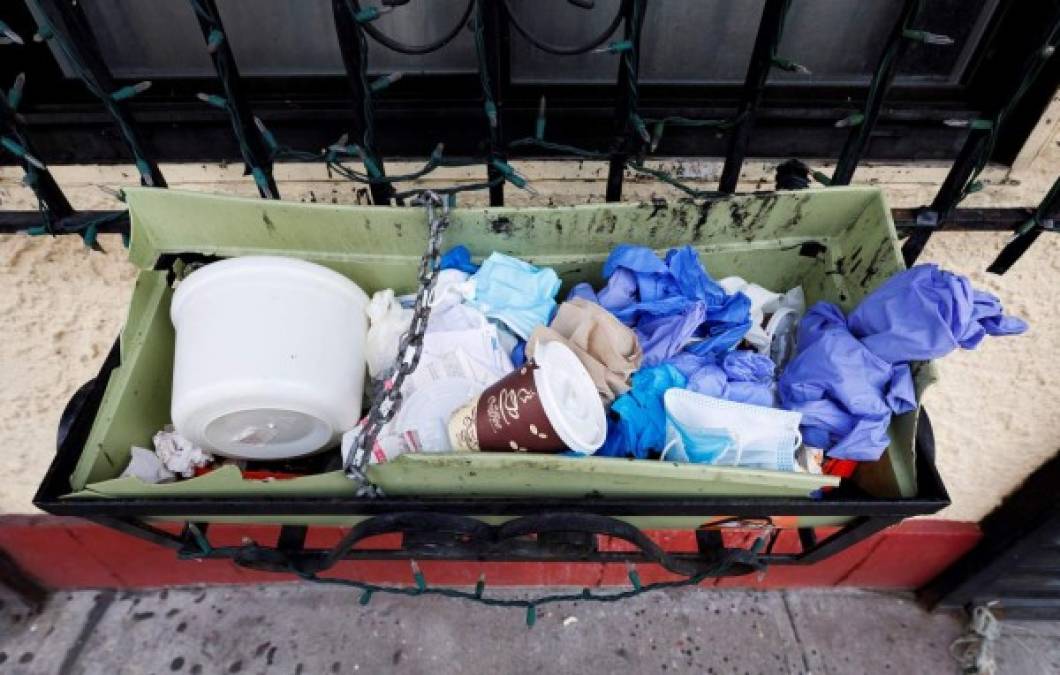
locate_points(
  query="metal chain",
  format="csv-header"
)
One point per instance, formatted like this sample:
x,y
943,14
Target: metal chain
x,y
388,401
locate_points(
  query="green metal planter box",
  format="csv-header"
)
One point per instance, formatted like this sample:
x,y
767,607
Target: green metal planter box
x,y
838,243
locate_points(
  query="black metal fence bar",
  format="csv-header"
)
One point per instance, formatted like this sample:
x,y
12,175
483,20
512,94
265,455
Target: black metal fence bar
x,y
861,127
353,44
255,154
67,24
626,101
54,205
1045,217
978,147
495,60
769,30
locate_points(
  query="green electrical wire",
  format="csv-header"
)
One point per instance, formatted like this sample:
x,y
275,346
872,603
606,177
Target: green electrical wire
x,y
261,174
46,31
1038,62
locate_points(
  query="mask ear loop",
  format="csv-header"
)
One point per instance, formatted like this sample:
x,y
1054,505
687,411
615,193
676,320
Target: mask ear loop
x,y
739,446
795,450
666,449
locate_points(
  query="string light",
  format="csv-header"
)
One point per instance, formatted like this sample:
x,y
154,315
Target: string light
x,y
927,38
266,135
634,577
383,82
539,124
369,14
214,40
213,99
131,90
790,66
417,575
9,36
851,120
616,47
14,94
16,149
73,59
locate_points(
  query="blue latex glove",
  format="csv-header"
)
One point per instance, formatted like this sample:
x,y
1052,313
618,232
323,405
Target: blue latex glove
x,y
518,355
924,313
636,426
515,293
846,394
668,302
746,366
743,376
458,258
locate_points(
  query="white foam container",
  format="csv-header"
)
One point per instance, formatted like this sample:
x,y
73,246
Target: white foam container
x,y
569,398
269,360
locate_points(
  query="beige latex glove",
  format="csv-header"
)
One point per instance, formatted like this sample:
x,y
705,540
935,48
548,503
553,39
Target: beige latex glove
x,y
607,348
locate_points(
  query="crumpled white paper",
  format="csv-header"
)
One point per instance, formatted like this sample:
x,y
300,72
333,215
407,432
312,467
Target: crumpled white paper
x,y
178,454
145,465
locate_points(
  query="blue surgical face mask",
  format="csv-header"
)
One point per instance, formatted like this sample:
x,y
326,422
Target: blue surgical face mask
x,y
707,430
698,446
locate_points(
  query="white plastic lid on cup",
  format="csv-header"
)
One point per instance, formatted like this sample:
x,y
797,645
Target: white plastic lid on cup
x,y
569,398
269,357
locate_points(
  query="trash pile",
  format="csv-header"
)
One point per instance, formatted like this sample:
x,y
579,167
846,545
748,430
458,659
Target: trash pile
x,y
662,362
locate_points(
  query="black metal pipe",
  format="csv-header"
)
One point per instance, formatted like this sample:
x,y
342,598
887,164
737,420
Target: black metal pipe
x,y
769,30
70,22
979,145
497,59
255,153
948,195
41,181
859,135
354,48
1046,215
626,103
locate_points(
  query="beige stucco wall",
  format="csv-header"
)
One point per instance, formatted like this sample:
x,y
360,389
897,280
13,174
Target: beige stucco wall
x,y
994,409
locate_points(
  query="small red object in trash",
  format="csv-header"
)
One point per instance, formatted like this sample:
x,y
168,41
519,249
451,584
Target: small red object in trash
x,y
844,468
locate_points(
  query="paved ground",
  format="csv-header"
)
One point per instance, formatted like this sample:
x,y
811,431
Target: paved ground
x,y
304,629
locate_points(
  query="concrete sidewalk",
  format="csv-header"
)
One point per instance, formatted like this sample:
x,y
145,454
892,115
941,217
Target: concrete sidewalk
x,y
307,629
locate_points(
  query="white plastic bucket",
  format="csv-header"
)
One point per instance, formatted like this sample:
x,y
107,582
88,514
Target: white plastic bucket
x,y
269,359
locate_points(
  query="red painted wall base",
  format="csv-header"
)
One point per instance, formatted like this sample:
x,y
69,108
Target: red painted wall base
x,y
67,553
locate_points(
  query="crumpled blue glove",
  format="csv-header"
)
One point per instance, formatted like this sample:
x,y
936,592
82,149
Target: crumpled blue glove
x,y
636,426
924,313
846,394
672,304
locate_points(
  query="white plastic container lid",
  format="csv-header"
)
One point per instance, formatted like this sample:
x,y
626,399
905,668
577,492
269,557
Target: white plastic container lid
x,y
569,398
269,357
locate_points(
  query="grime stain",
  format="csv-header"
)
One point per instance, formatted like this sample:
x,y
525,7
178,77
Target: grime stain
x,y
658,204
873,269
796,215
606,223
502,226
812,249
270,227
856,260
697,227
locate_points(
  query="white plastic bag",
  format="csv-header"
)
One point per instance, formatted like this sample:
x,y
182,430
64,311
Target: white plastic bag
x,y
387,322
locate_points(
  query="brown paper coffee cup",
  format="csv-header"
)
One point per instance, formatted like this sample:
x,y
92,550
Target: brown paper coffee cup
x,y
506,417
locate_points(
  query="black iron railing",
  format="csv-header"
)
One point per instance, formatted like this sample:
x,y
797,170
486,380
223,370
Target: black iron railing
x,y
65,26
